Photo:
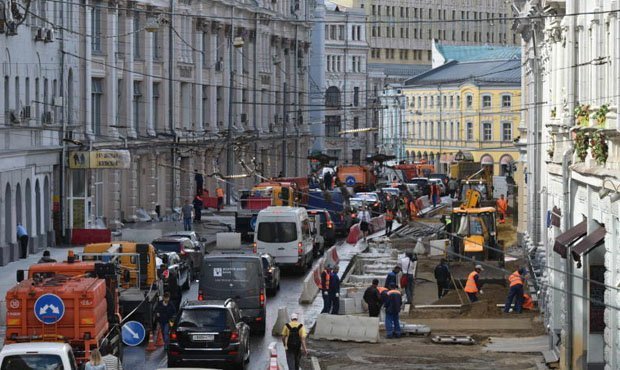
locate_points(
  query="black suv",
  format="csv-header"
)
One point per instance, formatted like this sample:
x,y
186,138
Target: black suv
x,y
209,332
271,272
185,248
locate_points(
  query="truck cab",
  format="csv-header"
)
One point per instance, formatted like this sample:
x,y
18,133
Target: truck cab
x,y
43,355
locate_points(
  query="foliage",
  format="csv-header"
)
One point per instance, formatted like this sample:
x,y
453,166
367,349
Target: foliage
x,y
582,113
601,114
600,149
581,145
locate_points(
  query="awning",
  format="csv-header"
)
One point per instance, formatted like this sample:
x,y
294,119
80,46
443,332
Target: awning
x,y
564,240
593,240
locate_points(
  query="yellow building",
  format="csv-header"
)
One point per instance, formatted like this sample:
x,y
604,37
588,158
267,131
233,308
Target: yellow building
x,y
471,106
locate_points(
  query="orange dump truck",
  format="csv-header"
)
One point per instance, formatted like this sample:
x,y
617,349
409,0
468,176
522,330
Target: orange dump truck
x,y
360,178
63,302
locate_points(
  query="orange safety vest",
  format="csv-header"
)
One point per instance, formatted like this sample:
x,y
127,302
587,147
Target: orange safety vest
x,y
393,291
470,286
502,205
381,289
219,192
515,278
389,215
327,277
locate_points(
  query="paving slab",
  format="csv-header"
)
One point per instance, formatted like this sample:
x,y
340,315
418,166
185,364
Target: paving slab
x,y
523,344
453,325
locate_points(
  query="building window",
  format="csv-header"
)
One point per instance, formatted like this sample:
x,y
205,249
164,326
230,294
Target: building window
x,y
487,131
137,49
486,101
96,103
458,130
157,47
95,27
469,101
506,131
332,126
451,101
469,134
332,32
356,156
425,101
137,94
356,96
332,97
432,101
356,125
156,104
341,32
506,101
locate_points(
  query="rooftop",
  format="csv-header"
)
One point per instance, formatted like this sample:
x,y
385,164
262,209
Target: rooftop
x,y
466,53
492,72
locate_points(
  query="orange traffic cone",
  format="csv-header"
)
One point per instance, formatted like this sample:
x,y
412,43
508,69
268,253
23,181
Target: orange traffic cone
x,y
160,339
151,346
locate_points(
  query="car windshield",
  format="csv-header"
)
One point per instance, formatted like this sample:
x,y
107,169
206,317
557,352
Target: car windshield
x,y
189,236
277,232
167,246
209,318
321,216
368,196
265,263
32,362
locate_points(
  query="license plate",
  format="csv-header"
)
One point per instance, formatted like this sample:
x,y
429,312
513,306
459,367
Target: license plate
x,y
203,337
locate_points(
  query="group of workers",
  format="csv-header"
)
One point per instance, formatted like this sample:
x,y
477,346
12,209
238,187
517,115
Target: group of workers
x,y
330,289
516,293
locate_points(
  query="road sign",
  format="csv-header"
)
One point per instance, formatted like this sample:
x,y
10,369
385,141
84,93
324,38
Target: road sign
x,y
350,181
49,309
253,223
133,333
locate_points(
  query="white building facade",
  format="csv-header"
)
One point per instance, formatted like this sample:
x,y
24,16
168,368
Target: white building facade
x,y
573,209
392,131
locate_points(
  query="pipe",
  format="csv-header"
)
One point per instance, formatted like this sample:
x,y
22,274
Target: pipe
x,y
229,149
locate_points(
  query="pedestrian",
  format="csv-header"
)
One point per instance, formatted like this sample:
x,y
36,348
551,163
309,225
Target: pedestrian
x,y
111,362
372,297
516,280
294,340
198,204
502,208
392,277
364,217
174,289
334,290
95,362
473,285
165,313
442,275
22,238
326,275
434,194
46,257
219,192
393,303
452,186
413,210
389,220
199,179
187,211
327,180
407,266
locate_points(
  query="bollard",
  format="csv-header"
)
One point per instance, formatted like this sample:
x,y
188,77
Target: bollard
x,y
281,320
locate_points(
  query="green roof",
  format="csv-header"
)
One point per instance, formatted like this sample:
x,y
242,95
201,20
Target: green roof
x,y
468,53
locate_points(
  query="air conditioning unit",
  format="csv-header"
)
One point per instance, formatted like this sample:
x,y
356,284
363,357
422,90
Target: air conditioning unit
x,y
40,34
49,35
48,118
15,116
26,112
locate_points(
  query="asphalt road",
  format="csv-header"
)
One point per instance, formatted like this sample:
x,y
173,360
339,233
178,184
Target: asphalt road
x,y
288,296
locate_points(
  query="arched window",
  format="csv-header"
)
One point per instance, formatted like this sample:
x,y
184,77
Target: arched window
x,y
332,97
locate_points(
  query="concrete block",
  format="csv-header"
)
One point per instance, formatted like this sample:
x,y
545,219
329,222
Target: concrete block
x,y
33,245
13,252
281,320
347,328
5,255
331,256
347,306
311,283
439,247
415,329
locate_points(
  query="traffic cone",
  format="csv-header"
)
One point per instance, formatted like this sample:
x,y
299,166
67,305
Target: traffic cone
x,y
151,346
160,339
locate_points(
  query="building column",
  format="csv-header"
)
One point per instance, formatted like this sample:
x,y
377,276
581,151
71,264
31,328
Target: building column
x,y
116,200
151,186
198,64
133,187
87,73
128,80
111,79
148,85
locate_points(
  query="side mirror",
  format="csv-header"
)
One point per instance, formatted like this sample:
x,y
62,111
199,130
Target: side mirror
x,y
20,276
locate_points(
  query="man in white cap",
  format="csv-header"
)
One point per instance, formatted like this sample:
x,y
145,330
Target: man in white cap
x,y
294,339
473,285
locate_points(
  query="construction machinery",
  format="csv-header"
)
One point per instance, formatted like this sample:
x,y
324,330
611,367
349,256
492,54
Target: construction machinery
x,y
360,178
82,306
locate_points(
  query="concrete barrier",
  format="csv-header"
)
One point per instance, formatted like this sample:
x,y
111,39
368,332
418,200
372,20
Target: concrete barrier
x,y
347,328
354,234
312,282
331,256
277,357
281,320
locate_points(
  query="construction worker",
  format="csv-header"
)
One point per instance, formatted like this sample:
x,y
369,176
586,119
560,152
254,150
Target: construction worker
x,y
442,275
294,340
165,313
516,280
334,290
392,277
219,193
413,209
325,284
393,303
389,220
372,297
473,285
502,208
407,264
453,185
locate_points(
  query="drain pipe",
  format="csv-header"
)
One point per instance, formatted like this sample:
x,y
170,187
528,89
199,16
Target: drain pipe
x,y
566,209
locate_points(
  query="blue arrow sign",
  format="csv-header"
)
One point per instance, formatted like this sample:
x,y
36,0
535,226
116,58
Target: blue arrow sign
x,y
350,181
133,333
253,223
49,309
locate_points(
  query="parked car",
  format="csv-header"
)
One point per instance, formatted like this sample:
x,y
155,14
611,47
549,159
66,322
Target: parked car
x,y
443,189
372,200
272,273
422,184
184,247
37,355
197,240
441,176
177,265
210,331
328,231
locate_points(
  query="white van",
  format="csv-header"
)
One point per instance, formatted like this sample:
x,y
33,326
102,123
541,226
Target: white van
x,y
284,233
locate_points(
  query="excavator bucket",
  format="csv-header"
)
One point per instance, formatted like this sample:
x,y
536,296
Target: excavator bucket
x,y
472,199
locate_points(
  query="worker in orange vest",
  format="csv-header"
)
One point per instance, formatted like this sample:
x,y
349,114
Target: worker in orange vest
x,y
413,210
516,280
219,192
389,220
473,285
325,280
502,208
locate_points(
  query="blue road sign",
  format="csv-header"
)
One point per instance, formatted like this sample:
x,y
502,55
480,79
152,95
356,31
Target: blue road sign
x,y
133,333
49,309
253,223
350,181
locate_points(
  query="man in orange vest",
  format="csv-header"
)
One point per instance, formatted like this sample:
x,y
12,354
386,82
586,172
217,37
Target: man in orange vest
x,y
393,302
325,280
473,286
516,280
502,208
219,192
389,220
